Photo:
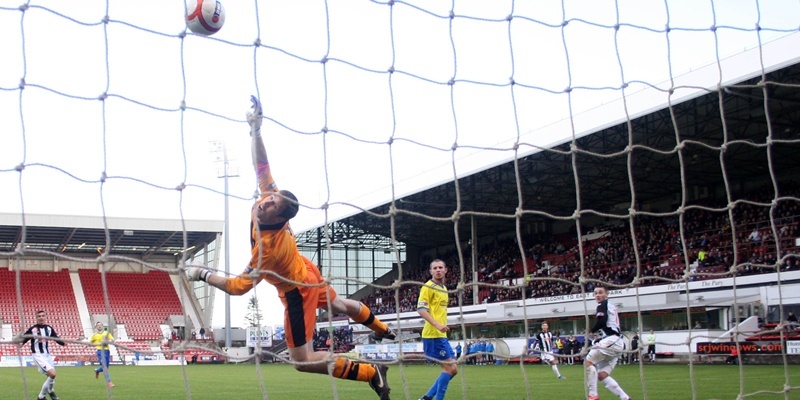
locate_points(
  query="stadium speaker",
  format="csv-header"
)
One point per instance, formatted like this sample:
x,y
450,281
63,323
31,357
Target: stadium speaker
x,y
743,311
757,309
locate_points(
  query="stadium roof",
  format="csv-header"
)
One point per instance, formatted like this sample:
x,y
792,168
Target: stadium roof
x,y
660,166
85,235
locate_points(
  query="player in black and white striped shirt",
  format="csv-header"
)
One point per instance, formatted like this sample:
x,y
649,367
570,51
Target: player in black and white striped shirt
x,y
544,341
38,335
602,358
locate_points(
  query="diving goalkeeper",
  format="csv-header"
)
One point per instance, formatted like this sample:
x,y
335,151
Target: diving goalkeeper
x,y
273,249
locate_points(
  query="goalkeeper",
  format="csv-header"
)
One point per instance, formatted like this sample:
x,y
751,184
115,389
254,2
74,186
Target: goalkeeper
x,y
275,257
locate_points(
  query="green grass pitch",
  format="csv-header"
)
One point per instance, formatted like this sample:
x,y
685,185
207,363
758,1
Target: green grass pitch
x,y
282,382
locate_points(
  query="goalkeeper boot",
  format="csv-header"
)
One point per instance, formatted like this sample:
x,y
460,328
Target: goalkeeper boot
x,y
53,396
388,335
378,383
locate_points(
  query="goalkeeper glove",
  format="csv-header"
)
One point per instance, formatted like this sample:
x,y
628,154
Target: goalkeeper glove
x,y
195,273
254,118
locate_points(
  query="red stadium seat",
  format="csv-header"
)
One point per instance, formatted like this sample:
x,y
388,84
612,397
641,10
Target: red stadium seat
x,y
131,294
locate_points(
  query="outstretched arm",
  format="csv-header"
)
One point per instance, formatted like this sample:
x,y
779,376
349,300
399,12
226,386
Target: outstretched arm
x,y
259,152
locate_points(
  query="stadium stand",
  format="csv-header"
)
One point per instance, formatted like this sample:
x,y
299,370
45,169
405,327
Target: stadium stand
x,y
141,302
340,338
773,331
128,348
49,291
610,255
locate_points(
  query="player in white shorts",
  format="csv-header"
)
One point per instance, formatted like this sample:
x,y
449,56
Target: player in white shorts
x,y
602,358
544,341
37,335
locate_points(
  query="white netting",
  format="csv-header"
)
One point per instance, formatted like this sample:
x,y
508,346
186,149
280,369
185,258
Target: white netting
x,y
109,102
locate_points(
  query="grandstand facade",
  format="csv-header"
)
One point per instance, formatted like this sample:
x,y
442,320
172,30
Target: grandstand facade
x,y
122,272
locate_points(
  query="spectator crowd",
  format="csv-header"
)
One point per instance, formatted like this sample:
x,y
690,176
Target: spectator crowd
x,y
340,338
757,239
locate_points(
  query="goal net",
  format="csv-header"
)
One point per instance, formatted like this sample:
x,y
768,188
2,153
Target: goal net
x,y
650,147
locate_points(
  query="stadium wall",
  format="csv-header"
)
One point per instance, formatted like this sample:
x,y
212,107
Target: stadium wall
x,y
725,294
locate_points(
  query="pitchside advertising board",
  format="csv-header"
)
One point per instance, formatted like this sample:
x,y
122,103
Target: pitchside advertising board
x,y
259,335
27,361
792,347
386,351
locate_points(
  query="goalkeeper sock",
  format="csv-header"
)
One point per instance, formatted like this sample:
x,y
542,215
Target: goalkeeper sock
x,y
352,370
366,318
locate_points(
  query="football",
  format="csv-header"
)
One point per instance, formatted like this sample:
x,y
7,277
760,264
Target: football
x,y
205,17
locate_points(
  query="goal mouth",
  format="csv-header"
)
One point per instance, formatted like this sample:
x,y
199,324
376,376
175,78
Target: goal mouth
x,y
539,151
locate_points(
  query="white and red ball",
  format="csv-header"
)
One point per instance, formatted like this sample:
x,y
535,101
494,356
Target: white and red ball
x,y
205,17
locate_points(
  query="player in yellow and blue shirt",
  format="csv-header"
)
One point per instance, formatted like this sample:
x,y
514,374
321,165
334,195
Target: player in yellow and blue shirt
x,y
432,307
101,338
